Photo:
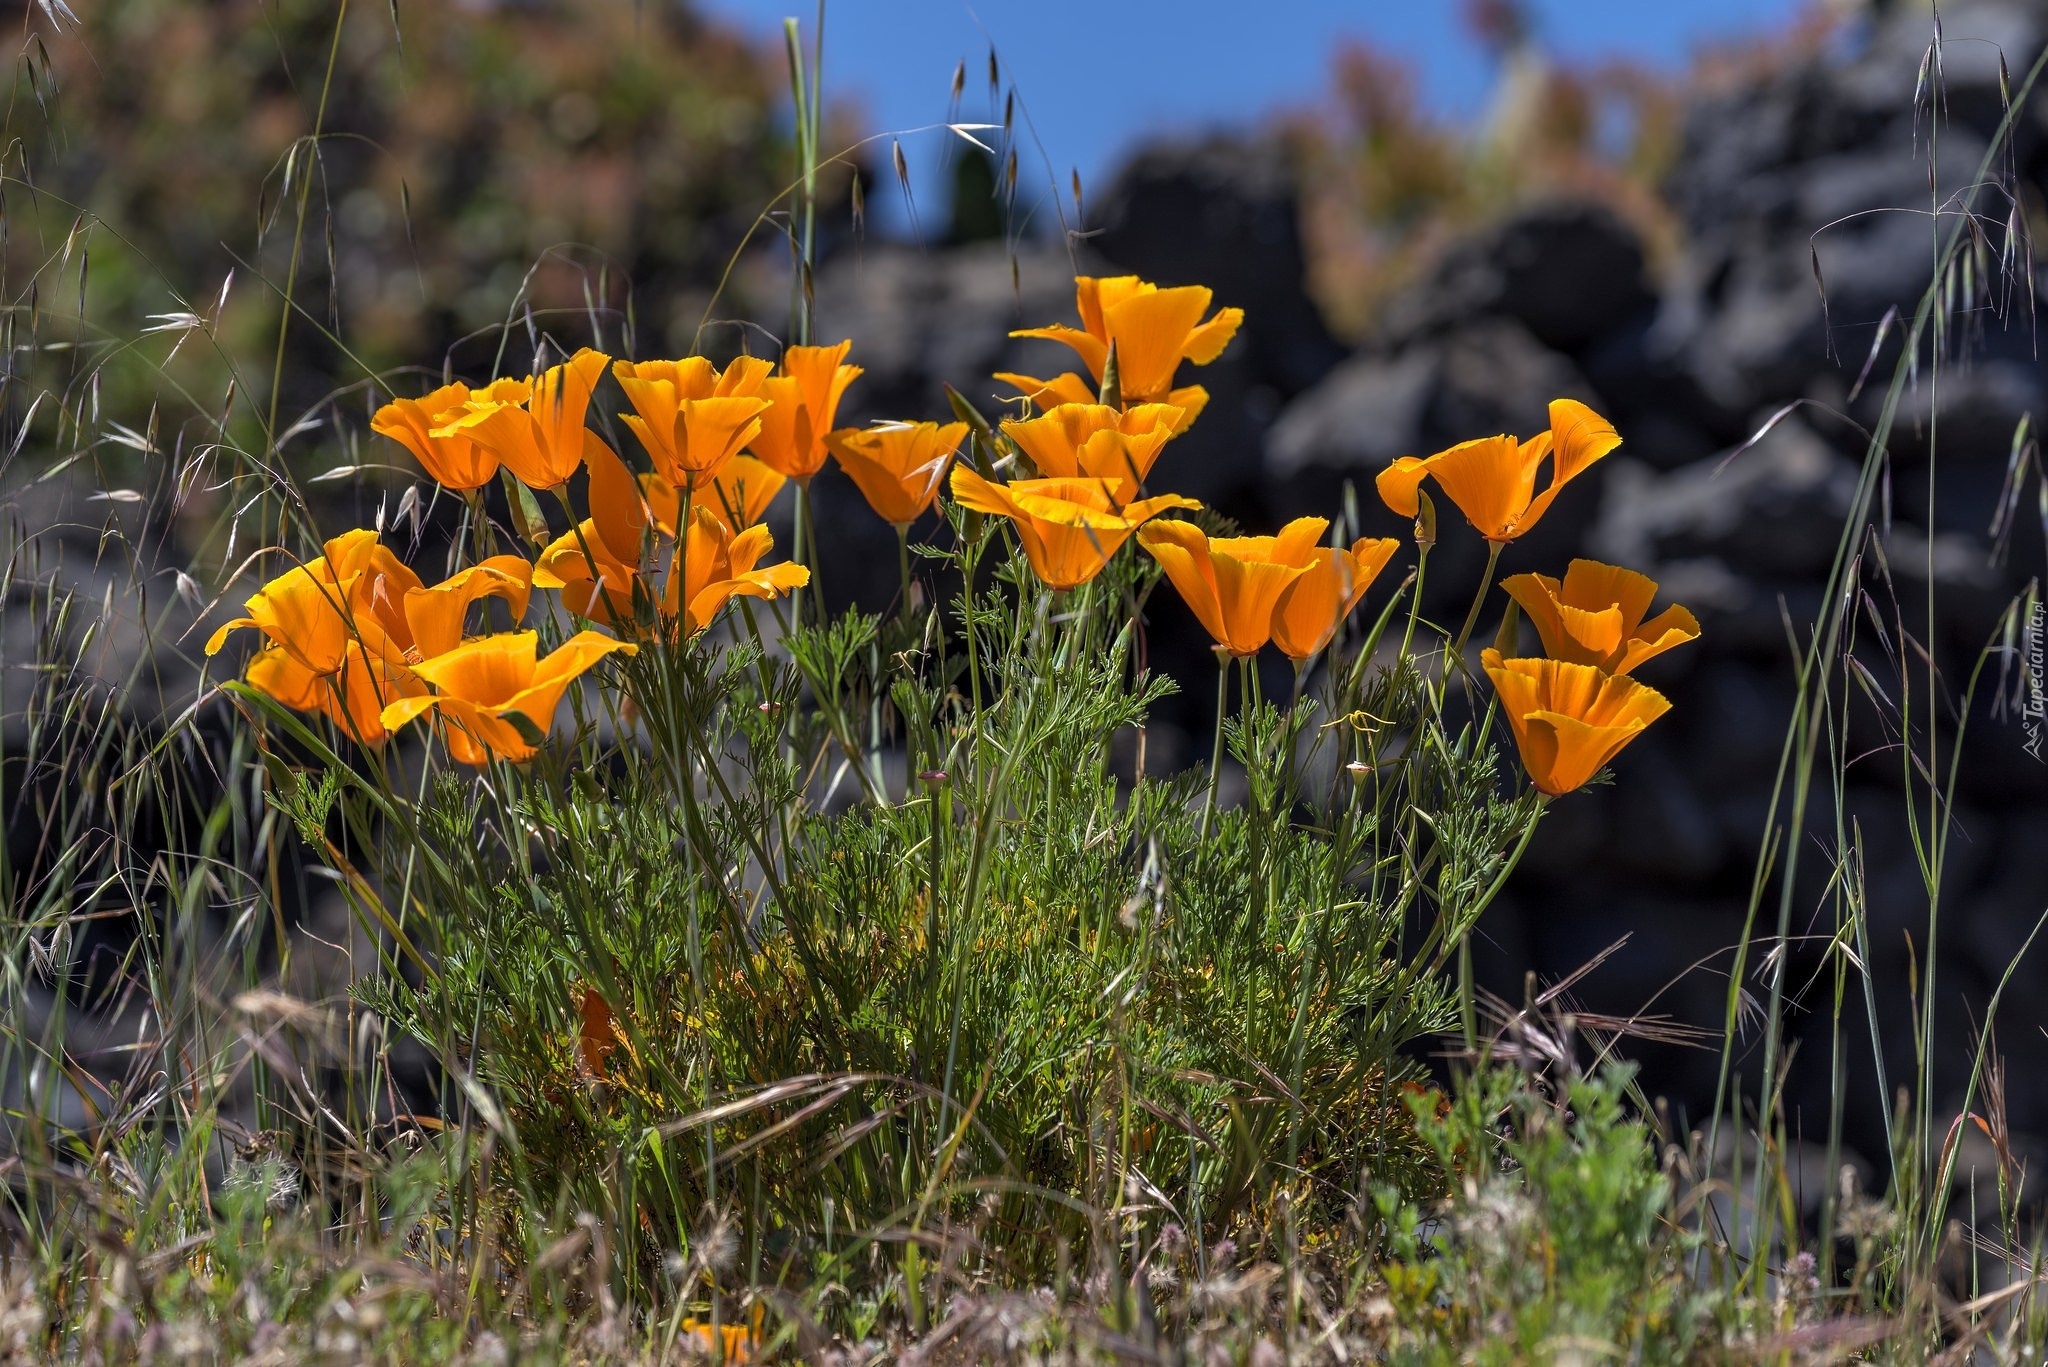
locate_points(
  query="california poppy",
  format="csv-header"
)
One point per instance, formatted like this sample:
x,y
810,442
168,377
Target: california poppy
x,y
1069,528
534,426
1315,605
739,495
454,461
1153,330
353,697
1569,719
691,416
596,565
1595,616
898,465
1233,583
803,405
1493,479
483,684
1094,441
307,611
716,565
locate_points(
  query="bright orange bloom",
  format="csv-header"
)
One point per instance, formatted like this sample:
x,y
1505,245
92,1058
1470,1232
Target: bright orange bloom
x,y
533,426
1069,527
1569,719
691,416
718,566
1233,583
898,466
484,683
1094,441
596,565
1315,605
353,697
1493,479
595,1035
739,495
308,610
803,405
1154,330
1595,616
454,461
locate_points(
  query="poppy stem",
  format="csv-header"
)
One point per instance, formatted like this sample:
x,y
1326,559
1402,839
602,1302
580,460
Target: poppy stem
x,y
1493,549
1415,603
1216,747
903,569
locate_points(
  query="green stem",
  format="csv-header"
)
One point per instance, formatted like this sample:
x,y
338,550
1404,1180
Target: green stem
x,y
1493,550
1223,658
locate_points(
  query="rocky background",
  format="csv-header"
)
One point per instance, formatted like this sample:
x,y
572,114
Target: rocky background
x,y
1813,169
1816,172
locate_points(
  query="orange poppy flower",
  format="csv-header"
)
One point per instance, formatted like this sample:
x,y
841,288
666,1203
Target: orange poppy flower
x,y
308,611
1493,479
484,683
1315,605
803,405
596,565
533,426
1569,719
353,697
691,416
1094,441
1233,583
1069,528
739,495
1595,616
718,565
454,461
898,465
1153,330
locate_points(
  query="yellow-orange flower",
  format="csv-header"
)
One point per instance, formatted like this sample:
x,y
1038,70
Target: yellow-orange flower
x,y
353,697
1569,719
533,426
454,461
1595,616
803,405
1069,528
308,610
718,565
1095,441
1153,330
596,565
691,416
739,495
1315,605
483,684
1233,583
1493,479
898,466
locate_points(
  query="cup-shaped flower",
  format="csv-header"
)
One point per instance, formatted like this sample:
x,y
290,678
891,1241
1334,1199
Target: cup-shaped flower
x,y
482,685
718,565
1569,719
739,495
455,461
309,611
535,426
803,406
897,465
691,416
1308,614
1233,583
1153,330
595,565
1095,441
1493,479
1594,616
1069,528
352,697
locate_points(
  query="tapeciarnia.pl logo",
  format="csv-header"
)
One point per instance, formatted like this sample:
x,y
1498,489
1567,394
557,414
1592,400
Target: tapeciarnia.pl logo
x,y
2035,710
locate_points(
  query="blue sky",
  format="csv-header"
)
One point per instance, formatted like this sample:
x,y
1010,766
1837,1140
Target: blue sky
x,y
1097,75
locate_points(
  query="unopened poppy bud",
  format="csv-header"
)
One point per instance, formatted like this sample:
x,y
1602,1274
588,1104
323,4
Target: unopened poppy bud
x,y
1425,520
